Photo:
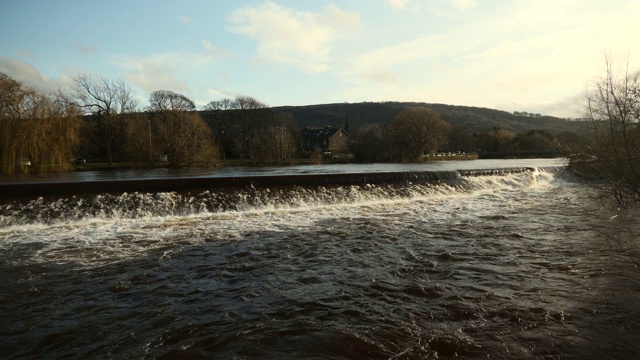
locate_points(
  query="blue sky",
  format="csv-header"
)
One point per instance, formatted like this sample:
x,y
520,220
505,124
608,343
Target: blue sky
x,y
519,55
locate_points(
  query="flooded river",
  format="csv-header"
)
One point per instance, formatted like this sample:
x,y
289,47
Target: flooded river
x,y
526,265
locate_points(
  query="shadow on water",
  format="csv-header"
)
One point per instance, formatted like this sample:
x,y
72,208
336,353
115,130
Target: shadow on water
x,y
612,313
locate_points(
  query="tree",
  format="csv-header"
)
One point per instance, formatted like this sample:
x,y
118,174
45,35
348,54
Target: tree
x,y
240,124
461,139
613,153
276,142
496,140
57,133
180,131
110,102
416,131
140,143
218,116
164,100
372,143
44,129
536,140
252,118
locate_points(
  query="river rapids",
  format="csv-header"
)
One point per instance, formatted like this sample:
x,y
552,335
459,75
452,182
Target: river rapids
x,y
528,265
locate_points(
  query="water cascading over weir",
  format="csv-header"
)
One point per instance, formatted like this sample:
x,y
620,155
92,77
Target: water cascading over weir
x,y
52,202
35,189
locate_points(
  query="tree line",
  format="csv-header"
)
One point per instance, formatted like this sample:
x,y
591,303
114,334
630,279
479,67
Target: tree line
x,y
419,131
101,119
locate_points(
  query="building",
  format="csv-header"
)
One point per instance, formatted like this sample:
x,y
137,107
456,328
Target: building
x,y
327,140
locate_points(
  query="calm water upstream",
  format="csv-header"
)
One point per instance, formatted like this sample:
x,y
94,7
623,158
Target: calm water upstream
x,y
508,266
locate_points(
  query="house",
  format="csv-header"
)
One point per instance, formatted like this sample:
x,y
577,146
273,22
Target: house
x,y
327,140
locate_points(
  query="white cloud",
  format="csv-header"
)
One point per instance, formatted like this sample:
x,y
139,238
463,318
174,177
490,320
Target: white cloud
x,y
219,94
158,71
535,57
304,39
31,76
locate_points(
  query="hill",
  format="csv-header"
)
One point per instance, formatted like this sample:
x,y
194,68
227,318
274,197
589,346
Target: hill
x,y
476,118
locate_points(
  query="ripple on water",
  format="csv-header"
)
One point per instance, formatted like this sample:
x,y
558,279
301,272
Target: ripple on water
x,y
517,272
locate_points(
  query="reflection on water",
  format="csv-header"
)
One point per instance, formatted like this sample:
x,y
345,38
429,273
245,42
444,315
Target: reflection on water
x,y
520,266
280,170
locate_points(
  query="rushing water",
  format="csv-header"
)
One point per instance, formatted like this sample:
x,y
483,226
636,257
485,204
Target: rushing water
x,y
512,266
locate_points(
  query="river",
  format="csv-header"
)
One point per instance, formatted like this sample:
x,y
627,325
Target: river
x,y
528,265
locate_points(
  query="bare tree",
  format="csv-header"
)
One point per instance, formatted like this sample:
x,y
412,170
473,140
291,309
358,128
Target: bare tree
x,y
252,116
164,100
218,110
110,101
239,124
181,132
218,115
613,154
12,94
416,131
372,143
140,143
276,142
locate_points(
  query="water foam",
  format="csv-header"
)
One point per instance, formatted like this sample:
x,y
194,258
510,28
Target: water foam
x,y
108,228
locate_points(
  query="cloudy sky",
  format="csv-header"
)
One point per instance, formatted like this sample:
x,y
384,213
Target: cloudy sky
x,y
514,55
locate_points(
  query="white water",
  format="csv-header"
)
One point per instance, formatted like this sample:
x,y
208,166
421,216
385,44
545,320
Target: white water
x,y
515,266
119,232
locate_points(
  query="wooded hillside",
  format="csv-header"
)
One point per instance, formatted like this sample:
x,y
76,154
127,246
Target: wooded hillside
x,y
475,118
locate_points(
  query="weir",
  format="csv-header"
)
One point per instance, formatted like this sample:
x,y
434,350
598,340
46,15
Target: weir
x,y
36,189
309,270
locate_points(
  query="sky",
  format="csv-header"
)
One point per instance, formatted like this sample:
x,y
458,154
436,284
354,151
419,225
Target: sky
x,y
537,56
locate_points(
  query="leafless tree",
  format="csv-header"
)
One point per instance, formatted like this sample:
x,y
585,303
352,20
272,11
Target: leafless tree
x,y
252,117
218,115
275,142
240,124
416,131
372,143
140,143
181,132
613,154
218,110
164,100
110,101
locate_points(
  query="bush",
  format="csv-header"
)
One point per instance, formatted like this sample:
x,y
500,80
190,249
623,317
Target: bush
x,y
612,154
